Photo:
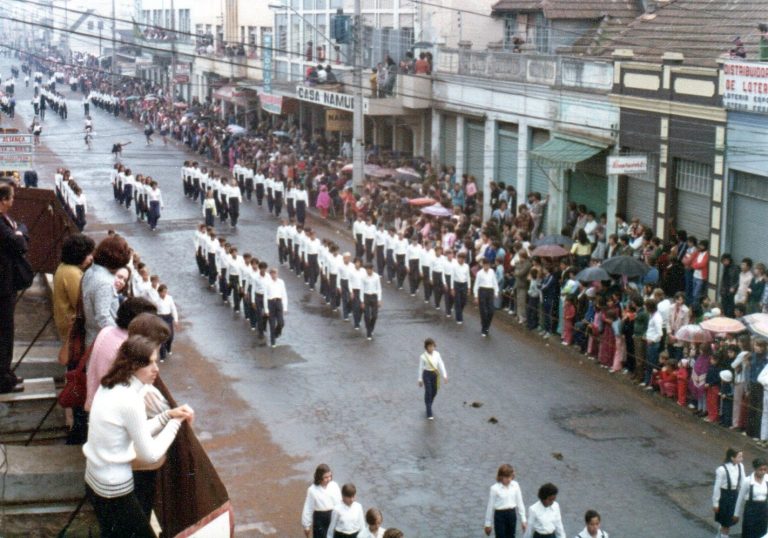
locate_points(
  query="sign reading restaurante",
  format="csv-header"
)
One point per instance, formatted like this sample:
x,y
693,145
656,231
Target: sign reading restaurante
x,y
341,101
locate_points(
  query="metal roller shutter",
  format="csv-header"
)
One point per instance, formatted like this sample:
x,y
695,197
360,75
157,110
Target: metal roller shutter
x,y
749,197
693,183
588,189
474,155
448,141
506,157
538,180
641,200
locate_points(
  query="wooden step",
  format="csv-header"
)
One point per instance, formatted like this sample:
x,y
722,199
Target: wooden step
x,y
41,474
40,366
22,411
39,388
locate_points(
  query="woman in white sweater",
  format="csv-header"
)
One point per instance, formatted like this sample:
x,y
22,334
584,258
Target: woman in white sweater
x,y
120,433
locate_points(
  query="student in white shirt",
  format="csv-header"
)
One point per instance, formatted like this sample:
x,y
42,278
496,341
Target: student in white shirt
x,y
505,505
347,517
486,289
234,199
155,198
728,479
653,340
259,181
592,530
371,290
752,502
358,231
321,497
301,201
275,305
459,285
431,368
544,518
373,521
166,309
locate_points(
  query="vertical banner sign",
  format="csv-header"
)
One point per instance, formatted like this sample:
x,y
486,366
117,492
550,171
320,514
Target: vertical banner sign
x,y
266,43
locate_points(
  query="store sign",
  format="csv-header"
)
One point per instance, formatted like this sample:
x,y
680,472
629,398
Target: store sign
x,y
16,162
271,103
266,61
636,164
746,86
338,121
342,101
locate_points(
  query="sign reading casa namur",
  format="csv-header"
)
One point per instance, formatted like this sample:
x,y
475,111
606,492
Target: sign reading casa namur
x,y
637,164
338,121
341,101
746,86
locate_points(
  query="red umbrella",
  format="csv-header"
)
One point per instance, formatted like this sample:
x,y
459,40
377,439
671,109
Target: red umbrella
x,y
721,324
550,251
419,202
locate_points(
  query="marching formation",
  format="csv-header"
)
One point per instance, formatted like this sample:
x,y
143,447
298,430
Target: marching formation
x,y
143,191
71,196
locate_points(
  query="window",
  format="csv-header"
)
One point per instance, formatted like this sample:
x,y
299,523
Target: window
x,y
541,35
199,29
185,23
252,35
692,176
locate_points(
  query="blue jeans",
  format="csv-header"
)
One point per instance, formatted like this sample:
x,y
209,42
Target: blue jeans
x,y
651,360
698,289
429,379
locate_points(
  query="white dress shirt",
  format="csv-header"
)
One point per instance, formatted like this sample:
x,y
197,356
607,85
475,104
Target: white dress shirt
x,y
460,273
653,333
545,520
167,307
734,472
585,534
275,289
436,363
486,279
759,493
347,519
504,497
319,499
358,227
355,276
372,284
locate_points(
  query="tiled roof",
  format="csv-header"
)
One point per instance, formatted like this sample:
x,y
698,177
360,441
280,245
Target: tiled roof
x,y
701,30
573,9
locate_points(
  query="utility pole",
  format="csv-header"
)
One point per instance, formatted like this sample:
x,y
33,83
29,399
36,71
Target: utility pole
x,y
113,67
65,34
358,120
172,84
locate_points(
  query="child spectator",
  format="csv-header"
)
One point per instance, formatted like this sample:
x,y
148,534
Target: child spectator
x,y
534,298
569,317
682,382
596,328
712,384
668,379
697,386
656,373
726,398
739,366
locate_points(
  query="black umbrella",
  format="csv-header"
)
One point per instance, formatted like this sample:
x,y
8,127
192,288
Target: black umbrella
x,y
625,265
562,240
591,274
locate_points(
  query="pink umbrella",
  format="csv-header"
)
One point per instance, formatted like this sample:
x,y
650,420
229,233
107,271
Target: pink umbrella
x,y
419,202
721,324
550,251
347,167
693,333
408,174
436,210
381,173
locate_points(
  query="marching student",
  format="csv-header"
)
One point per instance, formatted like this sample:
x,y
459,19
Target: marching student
x,y
322,496
209,209
413,254
166,309
380,243
200,255
259,182
592,530
312,251
728,479
544,518
345,268
282,242
185,184
128,184
247,173
459,286
426,262
347,518
234,199
391,241
431,367
81,207
486,289
333,262
155,198
401,247
259,284
301,200
269,185
449,264
371,288
233,272
373,520
245,282
438,270
275,305
290,200
358,229
195,174
223,186
356,276
752,502
505,505
211,247
369,237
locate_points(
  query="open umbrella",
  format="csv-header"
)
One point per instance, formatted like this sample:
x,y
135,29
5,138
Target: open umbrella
x,y
180,104
721,324
150,97
752,319
281,134
408,174
132,98
562,240
758,328
235,129
347,167
381,173
437,210
422,202
550,251
592,274
694,334
626,266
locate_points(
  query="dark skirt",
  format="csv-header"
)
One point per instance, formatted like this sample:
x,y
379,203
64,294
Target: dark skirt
x,y
727,506
755,519
321,520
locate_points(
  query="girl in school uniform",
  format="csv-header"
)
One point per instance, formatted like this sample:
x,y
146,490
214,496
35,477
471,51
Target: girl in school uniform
x,y
80,208
155,198
301,200
592,529
209,209
607,346
321,497
752,502
544,517
728,479
505,505
234,199
431,367
166,309
569,318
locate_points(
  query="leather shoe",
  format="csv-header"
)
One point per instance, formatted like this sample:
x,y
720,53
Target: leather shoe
x,y
15,388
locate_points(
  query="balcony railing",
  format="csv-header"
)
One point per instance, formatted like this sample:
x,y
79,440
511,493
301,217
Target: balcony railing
x,y
549,70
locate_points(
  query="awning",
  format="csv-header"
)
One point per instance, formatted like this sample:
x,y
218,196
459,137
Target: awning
x,y
566,152
234,95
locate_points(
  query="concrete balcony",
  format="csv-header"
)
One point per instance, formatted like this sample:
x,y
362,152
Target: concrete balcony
x,y
574,73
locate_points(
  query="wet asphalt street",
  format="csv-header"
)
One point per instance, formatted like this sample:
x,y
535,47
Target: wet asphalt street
x,y
325,394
